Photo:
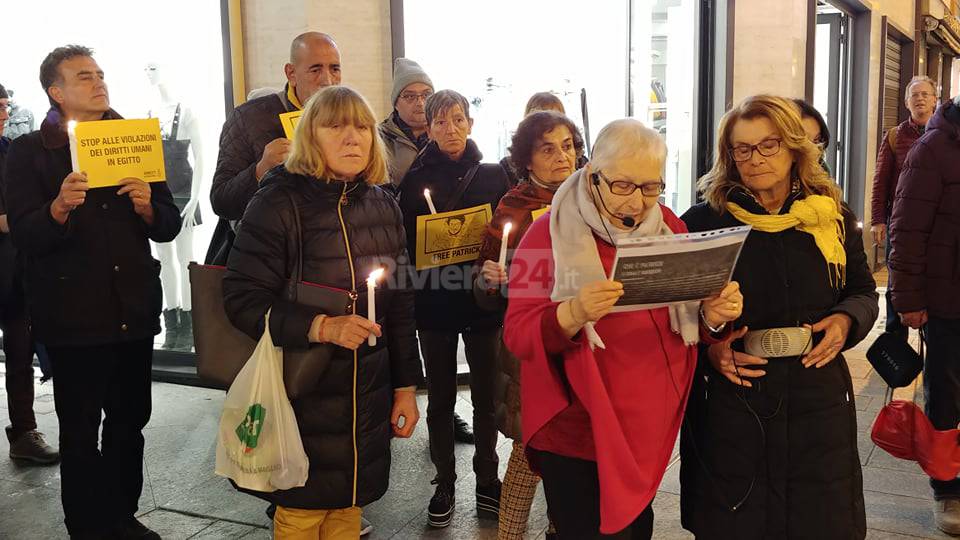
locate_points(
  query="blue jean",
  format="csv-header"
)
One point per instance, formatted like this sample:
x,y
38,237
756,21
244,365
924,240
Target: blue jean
x,y
941,385
893,318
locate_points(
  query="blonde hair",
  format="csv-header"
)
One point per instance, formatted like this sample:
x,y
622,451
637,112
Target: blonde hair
x,y
331,106
724,177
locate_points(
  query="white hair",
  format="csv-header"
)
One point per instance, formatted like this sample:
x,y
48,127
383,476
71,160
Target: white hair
x,y
625,139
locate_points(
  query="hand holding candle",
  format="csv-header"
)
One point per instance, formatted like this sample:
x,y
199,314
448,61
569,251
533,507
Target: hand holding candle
x,y
503,244
72,137
426,195
371,301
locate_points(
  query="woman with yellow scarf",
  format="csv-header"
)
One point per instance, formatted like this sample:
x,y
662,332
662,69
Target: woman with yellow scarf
x,y
770,446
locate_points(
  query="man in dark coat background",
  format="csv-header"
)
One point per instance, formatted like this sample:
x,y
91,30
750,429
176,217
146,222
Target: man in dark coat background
x,y
26,443
925,277
94,297
252,140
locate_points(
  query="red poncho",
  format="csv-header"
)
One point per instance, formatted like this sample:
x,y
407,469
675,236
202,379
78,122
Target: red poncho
x,y
633,392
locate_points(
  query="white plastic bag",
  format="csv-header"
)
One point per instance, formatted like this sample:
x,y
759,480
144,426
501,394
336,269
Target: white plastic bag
x,y
258,445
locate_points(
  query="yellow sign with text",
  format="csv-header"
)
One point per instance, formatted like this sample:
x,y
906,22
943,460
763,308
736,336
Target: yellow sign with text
x,y
535,214
111,150
451,237
289,122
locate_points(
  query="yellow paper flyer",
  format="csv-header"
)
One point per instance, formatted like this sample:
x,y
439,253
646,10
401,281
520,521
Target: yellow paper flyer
x,y
451,237
111,150
535,214
289,122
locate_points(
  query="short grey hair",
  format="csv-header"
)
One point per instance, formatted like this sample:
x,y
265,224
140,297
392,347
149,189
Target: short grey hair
x,y
442,101
624,139
921,79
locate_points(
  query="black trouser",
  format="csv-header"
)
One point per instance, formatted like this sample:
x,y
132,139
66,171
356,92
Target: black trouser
x,y
572,489
440,358
18,358
101,487
893,323
941,386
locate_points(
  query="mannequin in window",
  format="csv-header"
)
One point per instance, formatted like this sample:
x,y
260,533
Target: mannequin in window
x,y
183,160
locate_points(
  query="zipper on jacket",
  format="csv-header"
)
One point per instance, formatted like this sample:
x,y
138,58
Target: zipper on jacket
x,y
353,295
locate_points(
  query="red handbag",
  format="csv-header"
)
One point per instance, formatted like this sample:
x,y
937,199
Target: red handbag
x,y
905,432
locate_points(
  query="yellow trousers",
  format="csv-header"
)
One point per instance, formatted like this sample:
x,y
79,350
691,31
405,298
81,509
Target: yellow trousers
x,y
299,524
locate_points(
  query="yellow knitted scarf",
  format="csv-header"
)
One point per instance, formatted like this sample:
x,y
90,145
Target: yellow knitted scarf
x,y
816,215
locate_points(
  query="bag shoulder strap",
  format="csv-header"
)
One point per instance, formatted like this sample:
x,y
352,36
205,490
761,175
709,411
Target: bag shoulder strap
x,y
176,124
454,199
297,274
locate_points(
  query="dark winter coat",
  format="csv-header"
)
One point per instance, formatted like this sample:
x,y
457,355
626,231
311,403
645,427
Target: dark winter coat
x,y
515,207
925,225
91,281
246,132
799,475
8,253
445,304
889,165
345,421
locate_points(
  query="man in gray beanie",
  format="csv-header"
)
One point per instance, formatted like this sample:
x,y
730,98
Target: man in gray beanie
x,y
405,131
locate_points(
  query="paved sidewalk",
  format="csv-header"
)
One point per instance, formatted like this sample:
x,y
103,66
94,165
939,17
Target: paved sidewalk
x,y
182,498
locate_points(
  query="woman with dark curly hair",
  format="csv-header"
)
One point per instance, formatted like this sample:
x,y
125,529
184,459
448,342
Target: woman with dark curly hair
x,y
544,151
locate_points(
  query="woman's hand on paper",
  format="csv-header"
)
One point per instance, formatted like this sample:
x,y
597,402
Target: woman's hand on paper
x,y
594,300
734,365
725,307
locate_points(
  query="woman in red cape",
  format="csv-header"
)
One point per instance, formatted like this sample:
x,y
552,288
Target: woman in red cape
x,y
602,393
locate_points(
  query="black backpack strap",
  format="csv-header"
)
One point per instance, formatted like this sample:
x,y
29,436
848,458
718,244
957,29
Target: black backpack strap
x,y
454,199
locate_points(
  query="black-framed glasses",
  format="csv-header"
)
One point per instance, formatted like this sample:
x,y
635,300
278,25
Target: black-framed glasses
x,y
625,188
766,148
413,97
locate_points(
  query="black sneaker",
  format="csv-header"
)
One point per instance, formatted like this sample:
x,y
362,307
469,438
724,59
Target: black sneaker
x,y
488,500
132,529
461,430
440,512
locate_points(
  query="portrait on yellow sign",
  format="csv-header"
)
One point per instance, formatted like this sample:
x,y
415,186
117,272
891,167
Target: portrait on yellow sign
x,y
451,237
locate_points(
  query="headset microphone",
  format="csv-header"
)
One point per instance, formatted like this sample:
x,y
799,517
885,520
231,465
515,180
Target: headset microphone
x,y
627,221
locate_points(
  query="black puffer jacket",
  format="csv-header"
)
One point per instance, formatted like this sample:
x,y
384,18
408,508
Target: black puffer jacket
x,y
799,476
345,421
91,281
445,300
246,132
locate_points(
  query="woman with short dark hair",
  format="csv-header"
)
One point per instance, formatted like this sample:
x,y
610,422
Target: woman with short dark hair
x,y
544,149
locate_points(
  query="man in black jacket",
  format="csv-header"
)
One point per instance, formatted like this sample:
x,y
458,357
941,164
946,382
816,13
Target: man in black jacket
x,y
26,443
94,297
252,140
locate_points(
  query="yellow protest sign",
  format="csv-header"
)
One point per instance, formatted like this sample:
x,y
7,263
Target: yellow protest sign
x,y
535,214
451,237
289,122
111,150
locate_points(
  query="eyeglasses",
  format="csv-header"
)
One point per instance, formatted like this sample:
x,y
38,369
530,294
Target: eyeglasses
x,y
412,97
924,95
766,148
625,188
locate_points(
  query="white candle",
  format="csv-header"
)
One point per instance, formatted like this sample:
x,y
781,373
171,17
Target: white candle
x,y
72,137
371,303
426,195
503,245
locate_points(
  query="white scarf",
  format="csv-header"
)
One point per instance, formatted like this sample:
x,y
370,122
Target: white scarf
x,y
574,219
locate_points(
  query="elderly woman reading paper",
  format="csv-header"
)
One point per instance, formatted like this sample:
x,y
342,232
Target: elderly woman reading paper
x,y
603,393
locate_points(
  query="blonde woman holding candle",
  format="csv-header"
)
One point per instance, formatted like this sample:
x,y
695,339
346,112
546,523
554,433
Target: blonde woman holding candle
x,y
350,229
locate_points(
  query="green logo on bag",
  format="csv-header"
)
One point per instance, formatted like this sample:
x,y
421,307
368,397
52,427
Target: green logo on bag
x,y
249,430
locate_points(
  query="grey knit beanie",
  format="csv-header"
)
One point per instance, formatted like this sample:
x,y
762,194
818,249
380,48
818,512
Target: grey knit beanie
x,y
405,73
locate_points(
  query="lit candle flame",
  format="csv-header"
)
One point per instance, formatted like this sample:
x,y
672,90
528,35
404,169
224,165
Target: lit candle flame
x,y
506,229
375,276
